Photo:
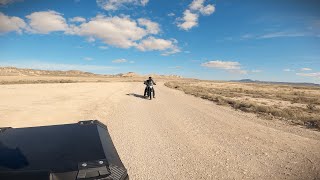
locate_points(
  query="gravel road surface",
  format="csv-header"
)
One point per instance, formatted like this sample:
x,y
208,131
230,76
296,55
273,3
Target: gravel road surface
x,y
175,136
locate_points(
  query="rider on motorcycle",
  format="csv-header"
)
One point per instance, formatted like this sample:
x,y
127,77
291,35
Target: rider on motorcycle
x,y
148,83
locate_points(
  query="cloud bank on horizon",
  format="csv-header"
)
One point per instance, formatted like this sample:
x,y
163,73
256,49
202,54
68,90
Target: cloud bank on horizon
x,y
193,29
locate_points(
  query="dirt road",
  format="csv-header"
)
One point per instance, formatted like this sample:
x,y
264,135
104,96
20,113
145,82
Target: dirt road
x,y
175,136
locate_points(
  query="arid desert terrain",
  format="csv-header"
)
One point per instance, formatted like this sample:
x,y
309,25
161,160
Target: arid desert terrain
x,y
234,131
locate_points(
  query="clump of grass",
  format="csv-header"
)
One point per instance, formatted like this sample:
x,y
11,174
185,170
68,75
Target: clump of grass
x,y
311,107
308,115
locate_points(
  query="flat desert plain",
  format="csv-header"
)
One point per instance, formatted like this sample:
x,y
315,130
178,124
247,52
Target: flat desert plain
x,y
175,136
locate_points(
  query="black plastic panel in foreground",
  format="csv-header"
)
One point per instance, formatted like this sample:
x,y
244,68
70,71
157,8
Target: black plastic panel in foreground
x,y
55,151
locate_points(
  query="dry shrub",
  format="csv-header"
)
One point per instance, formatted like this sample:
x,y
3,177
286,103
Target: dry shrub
x,y
309,116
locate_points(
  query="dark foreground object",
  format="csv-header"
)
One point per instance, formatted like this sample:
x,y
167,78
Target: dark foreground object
x,y
82,150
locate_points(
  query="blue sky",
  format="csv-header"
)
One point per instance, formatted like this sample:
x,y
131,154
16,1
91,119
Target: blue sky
x,y
272,40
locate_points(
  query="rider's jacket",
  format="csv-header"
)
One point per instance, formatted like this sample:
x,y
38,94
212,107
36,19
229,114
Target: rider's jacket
x,y
149,82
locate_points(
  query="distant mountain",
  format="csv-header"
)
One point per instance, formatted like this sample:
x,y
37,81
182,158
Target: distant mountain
x,y
246,80
272,82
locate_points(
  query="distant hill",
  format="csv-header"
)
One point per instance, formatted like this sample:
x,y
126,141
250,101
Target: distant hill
x,y
272,82
128,74
133,74
13,71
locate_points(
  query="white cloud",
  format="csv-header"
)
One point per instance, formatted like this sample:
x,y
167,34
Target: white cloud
x,y
256,71
152,27
189,20
282,34
238,71
197,5
230,66
316,74
287,70
88,58
151,44
8,24
305,69
6,2
171,51
90,39
119,61
122,32
171,14
103,47
117,31
131,62
144,2
77,19
191,16
44,22
117,4
73,29
207,10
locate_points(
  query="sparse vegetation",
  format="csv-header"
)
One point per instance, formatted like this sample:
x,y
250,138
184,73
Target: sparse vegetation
x,y
299,105
38,81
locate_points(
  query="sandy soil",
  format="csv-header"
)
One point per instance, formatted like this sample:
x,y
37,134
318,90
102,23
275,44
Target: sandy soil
x,y
175,136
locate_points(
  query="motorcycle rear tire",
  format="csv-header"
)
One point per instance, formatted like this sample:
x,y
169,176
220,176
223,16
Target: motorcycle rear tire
x,y
150,93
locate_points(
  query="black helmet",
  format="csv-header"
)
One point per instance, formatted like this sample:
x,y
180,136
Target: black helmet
x,y
150,77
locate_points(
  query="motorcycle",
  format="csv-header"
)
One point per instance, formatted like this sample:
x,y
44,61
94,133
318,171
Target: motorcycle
x,y
150,91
